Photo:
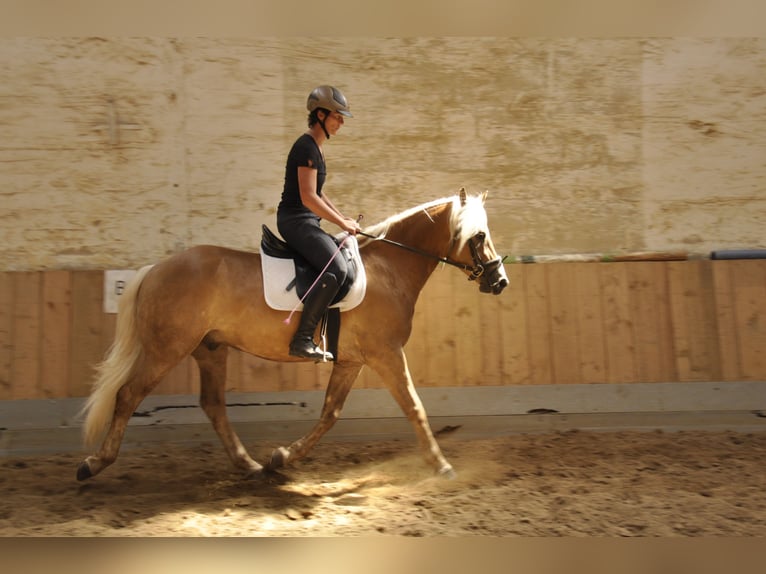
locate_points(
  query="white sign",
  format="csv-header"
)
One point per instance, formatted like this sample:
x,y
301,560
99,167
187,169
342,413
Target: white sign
x,y
115,282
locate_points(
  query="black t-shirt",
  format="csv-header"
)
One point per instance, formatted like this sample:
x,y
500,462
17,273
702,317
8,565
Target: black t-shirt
x,y
304,153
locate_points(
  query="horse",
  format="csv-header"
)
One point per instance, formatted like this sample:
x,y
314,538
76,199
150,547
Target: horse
x,y
206,299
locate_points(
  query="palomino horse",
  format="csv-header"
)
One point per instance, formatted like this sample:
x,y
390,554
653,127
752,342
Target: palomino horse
x,y
206,299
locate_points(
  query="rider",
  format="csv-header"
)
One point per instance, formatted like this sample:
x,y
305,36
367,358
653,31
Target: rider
x,y
304,204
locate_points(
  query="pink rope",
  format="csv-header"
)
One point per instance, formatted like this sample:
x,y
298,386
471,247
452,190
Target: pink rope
x,y
299,303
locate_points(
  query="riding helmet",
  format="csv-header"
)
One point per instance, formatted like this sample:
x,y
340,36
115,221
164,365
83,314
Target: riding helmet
x,y
328,98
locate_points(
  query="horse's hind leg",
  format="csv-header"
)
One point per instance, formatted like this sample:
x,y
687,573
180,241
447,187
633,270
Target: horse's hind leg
x,y
393,369
341,380
212,370
128,398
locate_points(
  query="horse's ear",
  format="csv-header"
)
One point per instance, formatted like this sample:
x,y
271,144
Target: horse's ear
x,y
484,196
462,197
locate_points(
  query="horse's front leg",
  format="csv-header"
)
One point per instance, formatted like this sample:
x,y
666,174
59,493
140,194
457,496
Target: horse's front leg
x,y
212,371
396,375
341,380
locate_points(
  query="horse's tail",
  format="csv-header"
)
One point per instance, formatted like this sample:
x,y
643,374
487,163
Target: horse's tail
x,y
115,370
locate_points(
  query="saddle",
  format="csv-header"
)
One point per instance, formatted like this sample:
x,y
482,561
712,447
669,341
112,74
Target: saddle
x,y
287,276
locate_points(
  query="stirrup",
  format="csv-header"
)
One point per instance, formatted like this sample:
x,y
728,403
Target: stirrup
x,y
309,350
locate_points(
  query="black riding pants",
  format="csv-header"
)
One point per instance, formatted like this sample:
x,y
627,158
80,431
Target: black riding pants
x,y
316,245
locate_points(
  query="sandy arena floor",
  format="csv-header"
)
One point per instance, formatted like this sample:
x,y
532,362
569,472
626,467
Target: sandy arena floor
x,y
576,483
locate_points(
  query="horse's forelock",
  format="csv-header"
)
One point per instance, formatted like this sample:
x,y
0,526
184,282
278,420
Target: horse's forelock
x,y
468,220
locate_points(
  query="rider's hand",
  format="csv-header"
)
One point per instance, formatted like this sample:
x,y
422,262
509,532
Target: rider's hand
x,y
351,226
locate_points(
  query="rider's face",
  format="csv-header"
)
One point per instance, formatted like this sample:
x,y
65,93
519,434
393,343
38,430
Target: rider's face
x,y
333,122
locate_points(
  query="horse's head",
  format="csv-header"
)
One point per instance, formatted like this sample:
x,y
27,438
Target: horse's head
x,y
473,243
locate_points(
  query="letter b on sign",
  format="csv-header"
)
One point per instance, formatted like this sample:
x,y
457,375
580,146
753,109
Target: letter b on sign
x,y
115,283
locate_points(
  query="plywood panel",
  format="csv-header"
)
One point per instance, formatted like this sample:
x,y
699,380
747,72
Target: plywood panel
x,y
418,348
590,321
179,380
680,328
704,314
441,337
563,322
750,308
650,310
618,322
27,336
538,324
728,332
466,319
489,345
7,302
565,340
87,330
693,317
108,329
56,323
234,370
256,374
369,379
513,326
302,376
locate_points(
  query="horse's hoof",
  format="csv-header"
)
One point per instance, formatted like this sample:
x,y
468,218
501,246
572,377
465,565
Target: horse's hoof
x,y
83,471
254,473
271,476
278,458
447,472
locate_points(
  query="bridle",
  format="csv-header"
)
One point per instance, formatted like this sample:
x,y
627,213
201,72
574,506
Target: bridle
x,y
478,269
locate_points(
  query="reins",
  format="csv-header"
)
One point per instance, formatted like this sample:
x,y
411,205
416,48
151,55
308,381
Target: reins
x,y
446,260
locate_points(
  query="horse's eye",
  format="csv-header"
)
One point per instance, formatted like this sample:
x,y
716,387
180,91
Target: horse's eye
x,y
480,237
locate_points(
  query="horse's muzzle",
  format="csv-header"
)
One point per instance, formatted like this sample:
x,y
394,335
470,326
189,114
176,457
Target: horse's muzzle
x,y
494,279
495,288
498,287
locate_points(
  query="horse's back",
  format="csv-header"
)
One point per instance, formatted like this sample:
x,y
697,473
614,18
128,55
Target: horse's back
x,y
197,277
214,254
205,262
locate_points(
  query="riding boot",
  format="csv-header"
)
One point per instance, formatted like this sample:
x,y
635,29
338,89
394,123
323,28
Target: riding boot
x,y
314,307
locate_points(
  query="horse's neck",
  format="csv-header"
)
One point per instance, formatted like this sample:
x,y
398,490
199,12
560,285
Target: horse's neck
x,y
428,232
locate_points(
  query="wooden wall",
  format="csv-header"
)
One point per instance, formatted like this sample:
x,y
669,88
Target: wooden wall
x,y
562,323
556,323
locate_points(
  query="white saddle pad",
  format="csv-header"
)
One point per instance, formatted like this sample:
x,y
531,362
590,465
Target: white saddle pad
x,y
278,273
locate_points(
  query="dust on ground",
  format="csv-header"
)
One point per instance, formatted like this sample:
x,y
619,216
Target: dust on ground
x,y
575,483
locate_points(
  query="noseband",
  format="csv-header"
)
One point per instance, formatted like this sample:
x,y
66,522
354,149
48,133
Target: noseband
x,y
479,267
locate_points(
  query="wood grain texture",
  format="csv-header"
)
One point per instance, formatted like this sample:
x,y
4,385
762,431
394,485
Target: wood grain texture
x,y
557,323
564,352
538,326
27,336
7,305
516,368
87,330
750,309
730,337
590,319
56,312
618,323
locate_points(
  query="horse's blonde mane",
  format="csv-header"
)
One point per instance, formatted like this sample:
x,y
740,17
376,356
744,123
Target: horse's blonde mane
x,y
465,221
